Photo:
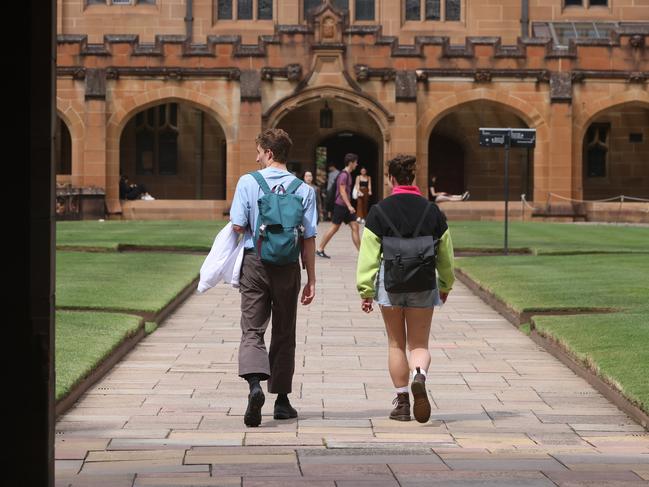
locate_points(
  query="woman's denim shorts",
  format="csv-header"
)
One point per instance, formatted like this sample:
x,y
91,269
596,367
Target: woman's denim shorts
x,y
423,299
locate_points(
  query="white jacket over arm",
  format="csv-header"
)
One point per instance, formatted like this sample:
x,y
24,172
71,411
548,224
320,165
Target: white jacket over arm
x,y
224,260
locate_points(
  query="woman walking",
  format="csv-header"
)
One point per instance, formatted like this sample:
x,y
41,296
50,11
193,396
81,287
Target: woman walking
x,y
363,187
407,315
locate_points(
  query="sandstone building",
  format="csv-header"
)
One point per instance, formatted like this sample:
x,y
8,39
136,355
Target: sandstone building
x,y
173,92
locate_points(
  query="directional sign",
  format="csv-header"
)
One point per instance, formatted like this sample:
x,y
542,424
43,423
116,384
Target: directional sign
x,y
499,137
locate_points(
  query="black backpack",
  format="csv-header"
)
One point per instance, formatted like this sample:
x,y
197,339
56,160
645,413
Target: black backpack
x,y
409,262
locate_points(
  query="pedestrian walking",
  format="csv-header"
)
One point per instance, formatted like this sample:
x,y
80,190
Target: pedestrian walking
x,y
269,281
363,188
343,209
405,240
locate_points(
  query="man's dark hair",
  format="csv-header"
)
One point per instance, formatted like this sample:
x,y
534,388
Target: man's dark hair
x,y
277,141
351,157
403,168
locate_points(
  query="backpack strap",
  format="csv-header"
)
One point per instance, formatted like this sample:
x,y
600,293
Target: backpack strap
x,y
292,188
421,221
387,220
261,181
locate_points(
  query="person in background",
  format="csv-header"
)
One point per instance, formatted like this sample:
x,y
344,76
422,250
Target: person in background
x,y
363,186
437,197
132,191
330,193
343,209
308,179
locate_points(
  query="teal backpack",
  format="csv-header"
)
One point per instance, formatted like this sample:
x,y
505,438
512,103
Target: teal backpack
x,y
279,227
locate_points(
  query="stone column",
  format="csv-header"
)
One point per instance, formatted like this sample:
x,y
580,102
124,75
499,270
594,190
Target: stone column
x,y
94,146
404,129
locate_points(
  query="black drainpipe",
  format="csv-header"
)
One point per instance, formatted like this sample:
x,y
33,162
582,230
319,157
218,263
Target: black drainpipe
x,y
189,20
525,18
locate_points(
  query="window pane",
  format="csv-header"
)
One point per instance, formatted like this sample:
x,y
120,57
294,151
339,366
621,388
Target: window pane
x,y
162,115
541,30
147,2
310,4
413,10
599,3
265,9
168,146
574,2
224,11
565,32
586,30
596,167
144,152
95,2
341,4
432,10
173,114
364,9
244,9
452,10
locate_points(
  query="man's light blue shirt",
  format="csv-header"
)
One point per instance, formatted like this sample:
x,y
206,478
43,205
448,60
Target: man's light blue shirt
x,y
245,212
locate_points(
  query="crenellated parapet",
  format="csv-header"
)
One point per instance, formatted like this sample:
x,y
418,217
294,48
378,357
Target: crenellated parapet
x,y
366,55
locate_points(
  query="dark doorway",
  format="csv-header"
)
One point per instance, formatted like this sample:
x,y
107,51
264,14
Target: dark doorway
x,y
446,162
335,148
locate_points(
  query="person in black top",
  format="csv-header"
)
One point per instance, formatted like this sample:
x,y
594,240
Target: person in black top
x,y
407,316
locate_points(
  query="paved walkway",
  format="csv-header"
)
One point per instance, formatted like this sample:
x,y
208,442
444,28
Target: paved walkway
x,y
505,412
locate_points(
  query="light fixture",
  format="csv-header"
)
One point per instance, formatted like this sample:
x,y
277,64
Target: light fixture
x,y
326,117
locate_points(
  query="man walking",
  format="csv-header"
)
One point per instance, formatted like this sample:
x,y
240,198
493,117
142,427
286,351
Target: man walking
x,y
269,289
330,195
343,209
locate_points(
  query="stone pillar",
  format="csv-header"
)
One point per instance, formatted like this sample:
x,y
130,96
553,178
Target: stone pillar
x,y
560,168
94,148
404,129
241,159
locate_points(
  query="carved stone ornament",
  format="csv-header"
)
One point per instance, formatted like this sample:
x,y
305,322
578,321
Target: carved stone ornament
x,y
328,23
79,73
577,77
328,29
637,41
421,75
294,72
482,76
638,77
362,72
112,73
561,87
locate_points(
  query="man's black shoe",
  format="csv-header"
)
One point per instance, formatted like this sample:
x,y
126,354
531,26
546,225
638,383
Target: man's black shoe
x,y
284,410
321,253
256,400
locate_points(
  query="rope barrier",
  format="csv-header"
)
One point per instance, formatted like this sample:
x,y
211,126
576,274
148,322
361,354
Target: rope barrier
x,y
526,203
621,197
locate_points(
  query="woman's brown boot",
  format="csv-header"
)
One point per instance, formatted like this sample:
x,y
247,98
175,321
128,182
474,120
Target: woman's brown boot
x,y
402,410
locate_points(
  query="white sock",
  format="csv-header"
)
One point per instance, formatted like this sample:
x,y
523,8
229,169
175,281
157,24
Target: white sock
x,y
414,372
401,389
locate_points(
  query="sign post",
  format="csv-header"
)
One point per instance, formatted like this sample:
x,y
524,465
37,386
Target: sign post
x,y
507,138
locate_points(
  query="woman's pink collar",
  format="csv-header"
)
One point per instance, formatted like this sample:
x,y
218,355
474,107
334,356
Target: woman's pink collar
x,y
406,189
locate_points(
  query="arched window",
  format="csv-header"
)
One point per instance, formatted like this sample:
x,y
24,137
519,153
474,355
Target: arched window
x,y
156,146
597,150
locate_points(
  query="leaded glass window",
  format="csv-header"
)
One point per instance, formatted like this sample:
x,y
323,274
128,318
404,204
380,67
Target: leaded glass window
x,y
413,10
265,9
433,10
224,10
452,10
597,150
244,9
364,10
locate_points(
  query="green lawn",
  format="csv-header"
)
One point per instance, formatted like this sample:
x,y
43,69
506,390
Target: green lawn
x,y
83,340
616,346
139,281
530,283
547,238
199,235
187,235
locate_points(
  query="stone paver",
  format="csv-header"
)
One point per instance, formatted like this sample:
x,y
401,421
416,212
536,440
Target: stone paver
x,y
505,412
